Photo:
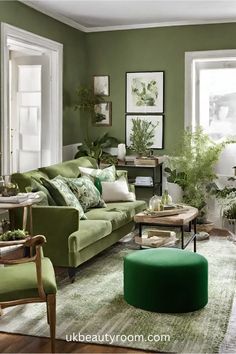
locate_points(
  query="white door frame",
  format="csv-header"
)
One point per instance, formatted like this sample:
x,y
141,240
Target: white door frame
x,y
191,60
54,49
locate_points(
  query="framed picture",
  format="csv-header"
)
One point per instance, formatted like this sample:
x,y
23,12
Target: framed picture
x,y
145,92
102,114
156,120
101,85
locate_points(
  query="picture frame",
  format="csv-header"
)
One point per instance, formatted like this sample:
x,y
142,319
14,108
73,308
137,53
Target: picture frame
x,y
158,143
101,85
145,92
105,109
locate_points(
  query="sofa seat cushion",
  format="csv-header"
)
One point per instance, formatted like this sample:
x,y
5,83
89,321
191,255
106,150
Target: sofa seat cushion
x,y
20,282
117,217
130,207
89,232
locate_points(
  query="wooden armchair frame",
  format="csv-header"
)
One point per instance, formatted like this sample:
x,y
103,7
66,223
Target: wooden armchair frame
x,y
36,243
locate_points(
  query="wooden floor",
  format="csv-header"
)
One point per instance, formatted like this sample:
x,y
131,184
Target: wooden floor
x,y
17,343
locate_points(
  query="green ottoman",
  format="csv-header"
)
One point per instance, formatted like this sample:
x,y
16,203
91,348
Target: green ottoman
x,y
166,280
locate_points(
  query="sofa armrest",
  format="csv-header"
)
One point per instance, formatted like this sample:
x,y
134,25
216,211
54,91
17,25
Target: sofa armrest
x,y
56,223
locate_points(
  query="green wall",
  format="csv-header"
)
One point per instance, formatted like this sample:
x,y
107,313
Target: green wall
x,y
114,53
74,57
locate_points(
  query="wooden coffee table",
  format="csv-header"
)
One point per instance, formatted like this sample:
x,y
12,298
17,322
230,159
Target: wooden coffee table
x,y
188,217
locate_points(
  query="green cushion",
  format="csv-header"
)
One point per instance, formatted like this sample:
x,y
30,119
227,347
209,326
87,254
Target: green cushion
x,y
38,186
68,168
166,280
62,194
86,192
89,232
23,180
20,282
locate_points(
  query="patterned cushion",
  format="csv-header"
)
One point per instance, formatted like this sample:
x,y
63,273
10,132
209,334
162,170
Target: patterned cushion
x,y
107,174
62,194
86,192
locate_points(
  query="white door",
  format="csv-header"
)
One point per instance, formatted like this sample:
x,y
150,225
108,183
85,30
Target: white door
x,y
29,112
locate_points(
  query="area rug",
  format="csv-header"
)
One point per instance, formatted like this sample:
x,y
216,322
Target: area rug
x,y
93,309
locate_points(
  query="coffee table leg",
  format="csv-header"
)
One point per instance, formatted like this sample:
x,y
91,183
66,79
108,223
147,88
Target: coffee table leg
x,y
190,226
140,230
182,237
195,232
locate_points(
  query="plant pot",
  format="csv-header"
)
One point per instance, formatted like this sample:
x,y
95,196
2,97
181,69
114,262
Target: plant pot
x,y
176,192
205,227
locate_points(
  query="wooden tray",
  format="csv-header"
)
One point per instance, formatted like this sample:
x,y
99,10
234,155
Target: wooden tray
x,y
175,211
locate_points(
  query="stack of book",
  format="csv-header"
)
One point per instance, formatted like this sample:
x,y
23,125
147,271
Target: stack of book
x,y
157,238
143,181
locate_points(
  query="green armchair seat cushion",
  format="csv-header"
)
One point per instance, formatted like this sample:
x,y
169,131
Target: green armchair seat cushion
x,y
20,281
90,231
166,280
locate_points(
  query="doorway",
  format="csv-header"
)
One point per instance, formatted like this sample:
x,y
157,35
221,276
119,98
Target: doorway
x,y
31,135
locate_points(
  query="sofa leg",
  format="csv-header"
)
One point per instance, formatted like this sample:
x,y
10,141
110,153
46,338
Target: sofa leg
x,y
71,273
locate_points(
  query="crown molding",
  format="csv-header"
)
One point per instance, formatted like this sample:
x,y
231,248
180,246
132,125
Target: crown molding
x,y
82,28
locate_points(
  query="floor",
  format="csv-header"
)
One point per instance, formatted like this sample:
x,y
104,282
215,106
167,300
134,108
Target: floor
x,y
15,343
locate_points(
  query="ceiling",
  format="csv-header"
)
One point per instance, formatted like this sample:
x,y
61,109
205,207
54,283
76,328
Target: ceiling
x,y
100,15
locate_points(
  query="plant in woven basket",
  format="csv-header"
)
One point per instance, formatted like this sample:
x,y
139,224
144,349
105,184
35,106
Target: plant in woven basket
x,y
142,136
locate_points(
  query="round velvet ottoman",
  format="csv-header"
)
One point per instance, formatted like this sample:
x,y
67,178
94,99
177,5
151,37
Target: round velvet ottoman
x,y
166,280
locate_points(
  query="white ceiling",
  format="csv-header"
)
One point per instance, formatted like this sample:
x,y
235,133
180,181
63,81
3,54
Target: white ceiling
x,y
100,15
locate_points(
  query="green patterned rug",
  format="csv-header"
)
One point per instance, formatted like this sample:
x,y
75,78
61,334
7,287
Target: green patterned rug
x,y
94,305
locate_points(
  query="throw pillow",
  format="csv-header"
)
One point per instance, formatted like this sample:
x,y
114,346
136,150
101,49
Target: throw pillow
x,y
117,191
62,194
37,186
107,174
86,192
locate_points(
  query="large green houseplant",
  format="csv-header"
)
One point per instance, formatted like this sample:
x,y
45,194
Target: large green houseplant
x,y
192,167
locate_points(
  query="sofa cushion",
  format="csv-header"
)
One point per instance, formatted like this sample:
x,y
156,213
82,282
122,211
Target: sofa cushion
x,y
37,186
117,217
89,232
117,191
131,207
107,174
68,168
86,192
62,194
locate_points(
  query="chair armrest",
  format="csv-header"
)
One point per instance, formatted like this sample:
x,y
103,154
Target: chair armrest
x,y
56,223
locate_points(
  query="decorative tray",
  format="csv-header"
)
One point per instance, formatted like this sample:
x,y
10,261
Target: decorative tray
x,y
169,211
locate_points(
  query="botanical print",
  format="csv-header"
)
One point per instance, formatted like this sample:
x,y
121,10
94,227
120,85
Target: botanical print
x,y
144,92
155,121
102,113
101,85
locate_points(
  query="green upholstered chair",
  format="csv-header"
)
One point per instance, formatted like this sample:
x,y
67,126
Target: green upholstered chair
x,y
29,280
166,280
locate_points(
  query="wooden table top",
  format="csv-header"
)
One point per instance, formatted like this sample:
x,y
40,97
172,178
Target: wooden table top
x,y
175,220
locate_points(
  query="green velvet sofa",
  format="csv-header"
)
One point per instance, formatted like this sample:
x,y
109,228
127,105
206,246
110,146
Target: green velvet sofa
x,y
71,241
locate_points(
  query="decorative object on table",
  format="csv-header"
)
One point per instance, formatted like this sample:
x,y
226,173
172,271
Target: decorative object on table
x,y
102,114
95,148
146,161
121,152
166,198
14,235
166,211
192,167
155,203
156,240
145,92
143,133
7,189
101,85
87,101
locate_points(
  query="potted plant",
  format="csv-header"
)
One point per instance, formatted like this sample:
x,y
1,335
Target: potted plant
x,y
192,168
141,136
227,200
96,148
